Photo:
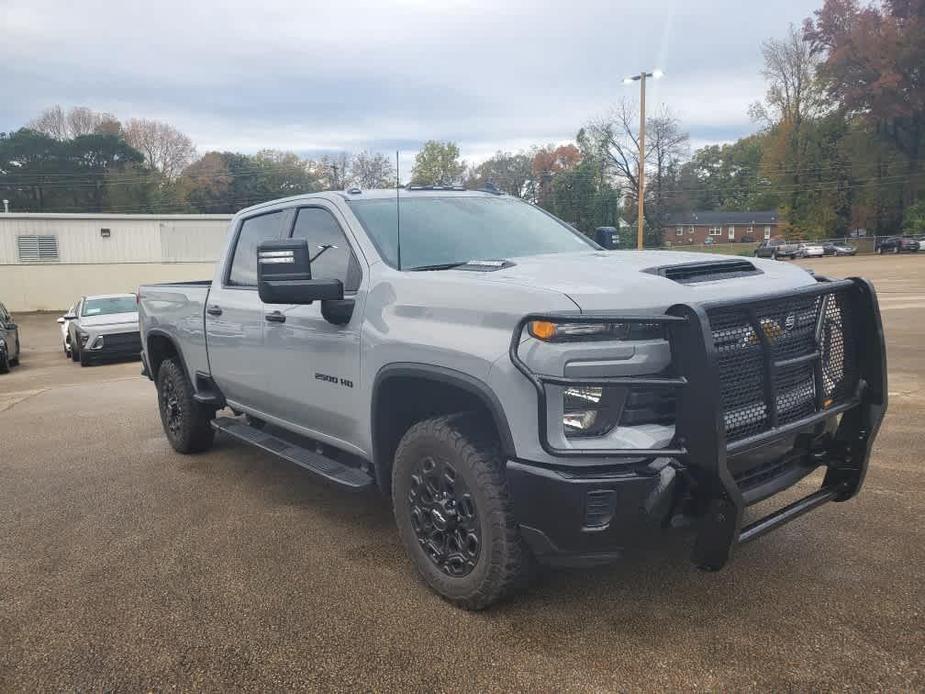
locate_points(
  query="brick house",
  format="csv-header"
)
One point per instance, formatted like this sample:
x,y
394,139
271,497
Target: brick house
x,y
697,226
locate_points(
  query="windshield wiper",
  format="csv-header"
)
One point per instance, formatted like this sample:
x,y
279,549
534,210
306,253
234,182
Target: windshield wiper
x,y
440,266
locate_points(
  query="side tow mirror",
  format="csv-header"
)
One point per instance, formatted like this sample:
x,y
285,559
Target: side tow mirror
x,y
284,275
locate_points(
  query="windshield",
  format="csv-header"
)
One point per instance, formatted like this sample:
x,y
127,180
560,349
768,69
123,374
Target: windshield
x,y
104,307
448,230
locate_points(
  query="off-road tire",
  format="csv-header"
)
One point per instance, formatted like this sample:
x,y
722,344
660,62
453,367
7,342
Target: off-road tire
x,y
190,432
75,353
4,362
504,562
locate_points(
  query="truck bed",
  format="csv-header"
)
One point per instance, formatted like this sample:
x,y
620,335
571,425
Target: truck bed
x,y
177,310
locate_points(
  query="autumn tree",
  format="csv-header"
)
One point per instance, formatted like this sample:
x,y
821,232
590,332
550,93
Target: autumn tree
x,y
550,161
166,149
872,60
437,164
370,170
59,124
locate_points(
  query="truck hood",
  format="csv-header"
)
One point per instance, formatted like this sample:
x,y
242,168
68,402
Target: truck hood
x,y
630,280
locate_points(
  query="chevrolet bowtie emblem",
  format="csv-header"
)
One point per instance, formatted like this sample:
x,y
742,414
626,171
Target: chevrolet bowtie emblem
x,y
771,328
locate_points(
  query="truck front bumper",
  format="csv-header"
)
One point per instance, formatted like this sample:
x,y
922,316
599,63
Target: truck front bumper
x,y
720,460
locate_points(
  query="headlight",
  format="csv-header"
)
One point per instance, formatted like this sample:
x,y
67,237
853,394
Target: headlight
x,y
548,331
595,411
589,411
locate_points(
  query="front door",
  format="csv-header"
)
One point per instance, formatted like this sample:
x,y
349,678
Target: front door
x,y
235,317
316,359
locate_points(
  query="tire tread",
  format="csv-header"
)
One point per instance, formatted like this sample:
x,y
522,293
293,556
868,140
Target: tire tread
x,y
196,434
511,563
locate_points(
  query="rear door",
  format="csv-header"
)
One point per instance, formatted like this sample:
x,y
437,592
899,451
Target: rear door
x,y
234,315
316,360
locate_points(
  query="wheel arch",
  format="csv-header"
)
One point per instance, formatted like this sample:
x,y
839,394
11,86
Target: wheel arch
x,y
160,346
435,390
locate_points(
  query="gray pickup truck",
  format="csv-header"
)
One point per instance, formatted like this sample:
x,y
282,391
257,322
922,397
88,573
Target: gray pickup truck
x,y
521,394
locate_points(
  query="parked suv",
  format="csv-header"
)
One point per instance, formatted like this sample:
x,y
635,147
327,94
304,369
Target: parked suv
x,y
777,248
9,341
898,244
518,392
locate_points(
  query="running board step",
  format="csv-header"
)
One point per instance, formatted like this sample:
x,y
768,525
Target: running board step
x,y
332,470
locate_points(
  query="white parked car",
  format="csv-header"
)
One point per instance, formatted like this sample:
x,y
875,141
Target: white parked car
x,y
810,250
64,321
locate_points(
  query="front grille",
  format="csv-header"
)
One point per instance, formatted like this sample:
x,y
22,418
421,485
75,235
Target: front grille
x,y
782,360
123,340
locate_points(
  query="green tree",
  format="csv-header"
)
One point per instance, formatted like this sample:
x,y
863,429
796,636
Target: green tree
x,y
510,173
39,173
437,164
370,170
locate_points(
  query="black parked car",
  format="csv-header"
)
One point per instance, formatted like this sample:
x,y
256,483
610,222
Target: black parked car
x,y
837,248
898,244
9,341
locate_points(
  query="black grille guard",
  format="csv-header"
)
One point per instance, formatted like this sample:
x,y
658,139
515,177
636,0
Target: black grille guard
x,y
700,444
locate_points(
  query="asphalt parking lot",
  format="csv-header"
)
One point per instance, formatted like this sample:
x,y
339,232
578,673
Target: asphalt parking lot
x,y
124,566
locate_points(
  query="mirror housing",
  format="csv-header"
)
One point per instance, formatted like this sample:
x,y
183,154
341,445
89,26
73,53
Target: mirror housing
x,y
284,275
67,316
61,320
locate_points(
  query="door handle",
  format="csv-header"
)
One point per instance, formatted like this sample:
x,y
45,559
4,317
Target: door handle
x,y
275,317
214,310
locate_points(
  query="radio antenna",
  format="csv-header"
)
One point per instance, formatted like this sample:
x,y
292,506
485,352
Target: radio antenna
x,y
398,210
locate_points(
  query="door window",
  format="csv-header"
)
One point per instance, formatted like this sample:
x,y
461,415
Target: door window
x,y
253,232
320,229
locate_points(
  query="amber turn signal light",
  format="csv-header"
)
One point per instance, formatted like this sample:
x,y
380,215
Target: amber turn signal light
x,y
542,329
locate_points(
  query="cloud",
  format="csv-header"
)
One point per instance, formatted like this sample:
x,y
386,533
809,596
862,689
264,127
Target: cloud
x,y
312,76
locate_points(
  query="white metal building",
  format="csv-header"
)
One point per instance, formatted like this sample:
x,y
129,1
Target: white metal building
x,y
49,260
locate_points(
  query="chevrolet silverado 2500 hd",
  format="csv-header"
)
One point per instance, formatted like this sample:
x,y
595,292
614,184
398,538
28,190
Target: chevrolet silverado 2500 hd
x,y
519,393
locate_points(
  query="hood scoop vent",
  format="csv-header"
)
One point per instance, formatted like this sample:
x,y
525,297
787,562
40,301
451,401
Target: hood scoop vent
x,y
710,271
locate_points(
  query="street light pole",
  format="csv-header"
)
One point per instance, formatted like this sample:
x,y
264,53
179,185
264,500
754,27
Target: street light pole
x,y
641,181
640,211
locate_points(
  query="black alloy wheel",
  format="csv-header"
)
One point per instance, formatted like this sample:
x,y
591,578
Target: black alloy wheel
x,y
444,517
173,408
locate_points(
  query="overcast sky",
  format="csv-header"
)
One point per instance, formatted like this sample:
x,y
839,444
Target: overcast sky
x,y
313,76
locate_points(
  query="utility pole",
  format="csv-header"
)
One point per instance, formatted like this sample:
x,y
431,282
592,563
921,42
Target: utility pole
x,y
641,181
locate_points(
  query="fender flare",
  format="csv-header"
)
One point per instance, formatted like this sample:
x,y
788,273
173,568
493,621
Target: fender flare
x,y
446,376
